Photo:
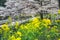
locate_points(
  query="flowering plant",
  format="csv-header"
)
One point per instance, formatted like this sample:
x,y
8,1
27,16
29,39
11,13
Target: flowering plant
x,y
35,29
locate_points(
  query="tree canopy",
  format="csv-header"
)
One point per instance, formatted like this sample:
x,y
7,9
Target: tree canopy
x,y
2,2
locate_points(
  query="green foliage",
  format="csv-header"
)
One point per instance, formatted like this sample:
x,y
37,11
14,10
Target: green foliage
x,y
2,2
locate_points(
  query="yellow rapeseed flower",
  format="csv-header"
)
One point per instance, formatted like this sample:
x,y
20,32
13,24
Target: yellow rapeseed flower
x,y
57,20
58,11
12,37
21,26
35,20
18,38
46,26
47,21
59,39
5,27
19,33
26,27
36,25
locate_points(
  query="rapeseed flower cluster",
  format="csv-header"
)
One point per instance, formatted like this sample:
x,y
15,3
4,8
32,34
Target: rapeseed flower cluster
x,y
47,21
5,27
59,39
36,22
58,11
35,29
14,38
57,20
19,33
